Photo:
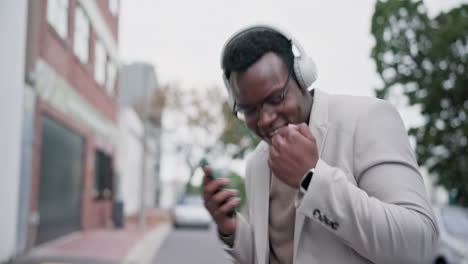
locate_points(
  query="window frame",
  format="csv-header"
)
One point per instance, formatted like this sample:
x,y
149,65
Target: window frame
x,y
81,13
114,7
112,70
100,60
56,11
103,176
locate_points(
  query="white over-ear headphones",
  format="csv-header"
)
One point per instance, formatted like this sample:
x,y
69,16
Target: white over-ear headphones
x,y
304,67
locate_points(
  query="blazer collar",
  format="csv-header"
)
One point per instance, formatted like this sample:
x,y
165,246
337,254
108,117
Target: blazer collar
x,y
259,218
318,121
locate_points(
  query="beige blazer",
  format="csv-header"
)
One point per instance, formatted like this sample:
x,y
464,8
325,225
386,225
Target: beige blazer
x,y
366,202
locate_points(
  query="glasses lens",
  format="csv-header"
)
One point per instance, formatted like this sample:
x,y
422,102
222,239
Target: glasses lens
x,y
241,116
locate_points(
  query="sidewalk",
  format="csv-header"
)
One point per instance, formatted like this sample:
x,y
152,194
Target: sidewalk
x,y
130,245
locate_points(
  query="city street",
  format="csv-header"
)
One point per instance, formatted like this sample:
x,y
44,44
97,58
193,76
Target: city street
x,y
61,260
191,246
123,119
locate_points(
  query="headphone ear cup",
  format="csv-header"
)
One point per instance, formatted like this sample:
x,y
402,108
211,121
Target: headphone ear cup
x,y
306,71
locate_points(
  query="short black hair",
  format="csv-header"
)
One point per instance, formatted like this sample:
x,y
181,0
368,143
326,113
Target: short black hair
x,y
248,47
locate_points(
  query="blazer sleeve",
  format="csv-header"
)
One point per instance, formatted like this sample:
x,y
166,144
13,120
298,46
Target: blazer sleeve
x,y
242,251
387,217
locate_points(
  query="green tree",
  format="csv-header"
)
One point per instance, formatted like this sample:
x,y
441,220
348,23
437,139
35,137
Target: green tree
x,y
200,124
426,59
194,125
236,136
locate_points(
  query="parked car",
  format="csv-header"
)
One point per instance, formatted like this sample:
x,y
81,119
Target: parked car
x,y
452,246
190,212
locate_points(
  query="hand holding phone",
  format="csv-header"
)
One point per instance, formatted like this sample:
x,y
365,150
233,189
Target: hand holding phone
x,y
214,174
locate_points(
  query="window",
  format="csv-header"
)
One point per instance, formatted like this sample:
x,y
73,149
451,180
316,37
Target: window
x,y
103,176
100,63
111,73
114,7
57,16
81,45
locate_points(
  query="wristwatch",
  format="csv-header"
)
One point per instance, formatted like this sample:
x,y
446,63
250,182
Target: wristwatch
x,y
305,181
227,239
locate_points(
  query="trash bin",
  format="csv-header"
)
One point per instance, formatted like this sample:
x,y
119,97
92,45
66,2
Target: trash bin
x,y
118,214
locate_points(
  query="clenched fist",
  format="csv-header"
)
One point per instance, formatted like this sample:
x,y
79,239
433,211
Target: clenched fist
x,y
293,151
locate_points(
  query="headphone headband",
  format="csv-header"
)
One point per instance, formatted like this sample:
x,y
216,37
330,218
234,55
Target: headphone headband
x,y
248,29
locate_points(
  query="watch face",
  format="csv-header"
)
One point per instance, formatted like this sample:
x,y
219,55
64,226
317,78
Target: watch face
x,y
307,178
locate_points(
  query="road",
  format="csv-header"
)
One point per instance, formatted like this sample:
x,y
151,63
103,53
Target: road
x,y
60,260
192,246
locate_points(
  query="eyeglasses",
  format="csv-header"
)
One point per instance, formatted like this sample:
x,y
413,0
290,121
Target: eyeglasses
x,y
250,112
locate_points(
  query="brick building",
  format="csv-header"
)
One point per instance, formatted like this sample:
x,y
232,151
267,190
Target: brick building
x,y
72,68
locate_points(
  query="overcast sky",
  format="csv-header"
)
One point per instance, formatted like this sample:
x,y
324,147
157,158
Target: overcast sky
x,y
183,39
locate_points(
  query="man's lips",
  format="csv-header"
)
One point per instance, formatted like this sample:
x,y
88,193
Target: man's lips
x,y
271,133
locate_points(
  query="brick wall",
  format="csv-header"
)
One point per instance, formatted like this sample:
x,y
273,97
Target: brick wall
x,y
58,53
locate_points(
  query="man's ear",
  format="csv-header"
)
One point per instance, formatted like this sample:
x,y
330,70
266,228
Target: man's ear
x,y
233,81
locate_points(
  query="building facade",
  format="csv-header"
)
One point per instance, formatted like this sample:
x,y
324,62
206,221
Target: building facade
x,y
71,65
139,139
130,160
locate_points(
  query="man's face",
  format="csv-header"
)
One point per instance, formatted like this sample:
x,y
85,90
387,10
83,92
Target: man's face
x,y
262,83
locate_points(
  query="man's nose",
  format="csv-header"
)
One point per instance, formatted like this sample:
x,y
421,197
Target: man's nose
x,y
265,116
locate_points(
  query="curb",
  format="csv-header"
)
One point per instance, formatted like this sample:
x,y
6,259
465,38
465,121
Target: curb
x,y
145,251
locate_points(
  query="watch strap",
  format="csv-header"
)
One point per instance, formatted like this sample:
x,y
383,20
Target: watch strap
x,y
305,181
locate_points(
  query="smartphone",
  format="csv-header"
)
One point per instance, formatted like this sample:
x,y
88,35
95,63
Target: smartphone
x,y
216,174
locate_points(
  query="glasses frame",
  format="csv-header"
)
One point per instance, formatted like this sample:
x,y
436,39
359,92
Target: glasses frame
x,y
259,106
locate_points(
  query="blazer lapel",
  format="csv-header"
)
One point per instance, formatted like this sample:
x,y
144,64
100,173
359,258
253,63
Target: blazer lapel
x,y
261,187
318,122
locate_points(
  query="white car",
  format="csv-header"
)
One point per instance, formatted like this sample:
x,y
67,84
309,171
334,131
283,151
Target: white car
x,y
452,246
190,212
